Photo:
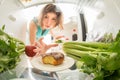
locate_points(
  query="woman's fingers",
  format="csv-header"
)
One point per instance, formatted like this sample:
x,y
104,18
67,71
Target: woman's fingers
x,y
53,45
34,44
61,36
41,41
38,45
37,50
41,47
40,50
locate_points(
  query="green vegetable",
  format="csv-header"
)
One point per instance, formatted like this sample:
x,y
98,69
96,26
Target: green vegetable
x,y
10,50
107,38
100,58
95,45
59,41
84,56
79,47
79,64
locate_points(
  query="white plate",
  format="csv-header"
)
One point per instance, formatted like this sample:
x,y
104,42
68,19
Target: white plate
x,y
67,63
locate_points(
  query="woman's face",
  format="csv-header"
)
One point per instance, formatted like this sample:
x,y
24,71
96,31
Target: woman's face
x,y
49,20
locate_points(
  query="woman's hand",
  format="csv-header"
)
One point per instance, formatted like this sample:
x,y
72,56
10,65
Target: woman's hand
x,y
41,47
58,37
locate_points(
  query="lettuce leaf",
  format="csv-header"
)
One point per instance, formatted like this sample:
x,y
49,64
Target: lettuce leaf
x,y
10,50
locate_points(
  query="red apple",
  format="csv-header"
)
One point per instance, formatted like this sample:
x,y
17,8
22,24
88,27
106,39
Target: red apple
x,y
29,50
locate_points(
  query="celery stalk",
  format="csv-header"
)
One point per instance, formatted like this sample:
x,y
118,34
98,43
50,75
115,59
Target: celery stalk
x,y
80,47
89,59
99,45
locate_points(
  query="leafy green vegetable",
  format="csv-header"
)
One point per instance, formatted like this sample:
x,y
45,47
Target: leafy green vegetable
x,y
10,50
107,38
100,58
59,41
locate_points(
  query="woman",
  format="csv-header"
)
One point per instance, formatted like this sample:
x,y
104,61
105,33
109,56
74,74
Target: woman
x,y
50,17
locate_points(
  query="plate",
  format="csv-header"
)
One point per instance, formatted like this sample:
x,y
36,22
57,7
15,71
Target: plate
x,y
37,63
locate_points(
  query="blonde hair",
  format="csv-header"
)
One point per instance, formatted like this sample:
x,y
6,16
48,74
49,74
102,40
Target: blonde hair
x,y
52,8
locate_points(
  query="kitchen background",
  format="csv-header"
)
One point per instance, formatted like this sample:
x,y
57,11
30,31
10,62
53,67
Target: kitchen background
x,y
99,16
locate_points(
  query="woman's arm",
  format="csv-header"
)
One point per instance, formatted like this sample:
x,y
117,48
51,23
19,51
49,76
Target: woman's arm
x,y
56,36
32,33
